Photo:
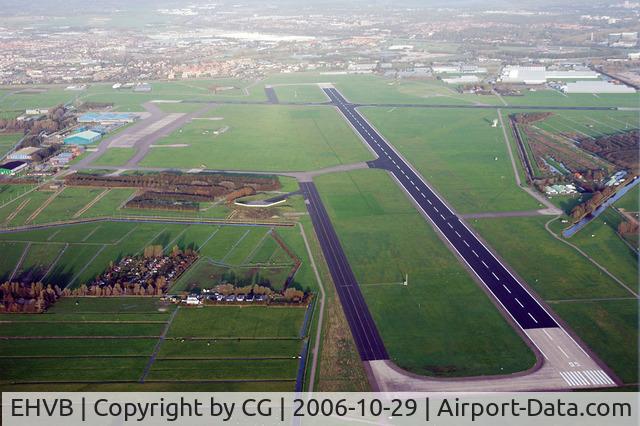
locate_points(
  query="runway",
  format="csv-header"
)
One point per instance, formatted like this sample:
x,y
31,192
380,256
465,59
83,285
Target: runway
x,y
563,362
365,333
514,298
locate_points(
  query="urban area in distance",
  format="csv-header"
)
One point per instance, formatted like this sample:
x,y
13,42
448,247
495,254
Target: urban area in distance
x,y
328,196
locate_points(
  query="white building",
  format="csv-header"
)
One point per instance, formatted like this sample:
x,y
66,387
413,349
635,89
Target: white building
x,y
596,87
463,79
540,75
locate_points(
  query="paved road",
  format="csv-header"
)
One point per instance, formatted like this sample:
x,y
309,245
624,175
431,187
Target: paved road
x,y
364,330
512,295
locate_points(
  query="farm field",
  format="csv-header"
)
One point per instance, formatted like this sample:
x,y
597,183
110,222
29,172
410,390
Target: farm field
x,y
473,173
44,206
554,98
107,343
7,141
73,255
441,323
277,138
563,277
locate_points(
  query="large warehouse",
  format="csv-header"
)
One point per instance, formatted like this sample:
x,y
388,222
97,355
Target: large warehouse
x,y
107,117
83,138
540,75
596,87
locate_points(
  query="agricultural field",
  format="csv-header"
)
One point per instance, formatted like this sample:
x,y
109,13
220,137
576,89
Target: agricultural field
x,y
565,142
473,173
277,138
555,98
441,323
24,205
75,254
109,343
571,283
7,141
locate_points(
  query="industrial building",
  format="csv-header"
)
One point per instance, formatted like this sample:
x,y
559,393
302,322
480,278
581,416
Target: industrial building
x,y
83,138
61,159
463,79
107,117
540,75
458,69
596,87
12,167
24,154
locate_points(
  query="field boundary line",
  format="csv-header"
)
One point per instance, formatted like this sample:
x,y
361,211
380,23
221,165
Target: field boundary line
x,y
126,235
55,262
235,245
91,203
93,231
156,349
17,210
170,243
149,242
84,268
258,246
19,263
208,239
44,205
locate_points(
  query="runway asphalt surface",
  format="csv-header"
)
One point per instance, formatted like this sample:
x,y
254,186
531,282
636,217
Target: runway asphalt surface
x,y
363,328
525,310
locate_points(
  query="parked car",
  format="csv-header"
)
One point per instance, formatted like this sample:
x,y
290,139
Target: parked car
x,y
230,298
249,298
240,298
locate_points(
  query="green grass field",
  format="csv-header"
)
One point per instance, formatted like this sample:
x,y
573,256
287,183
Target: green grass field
x,y
300,93
567,280
277,138
7,141
114,157
93,341
441,323
610,328
630,202
459,153
75,254
17,208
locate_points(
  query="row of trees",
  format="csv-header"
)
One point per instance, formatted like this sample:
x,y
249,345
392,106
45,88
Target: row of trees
x,y
592,203
628,228
29,298
289,295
